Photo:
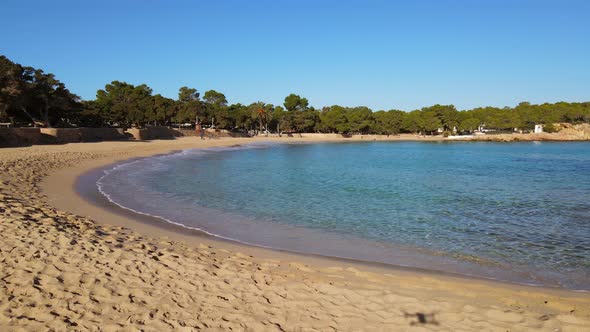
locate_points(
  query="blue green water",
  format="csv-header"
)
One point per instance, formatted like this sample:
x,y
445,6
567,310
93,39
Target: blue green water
x,y
518,211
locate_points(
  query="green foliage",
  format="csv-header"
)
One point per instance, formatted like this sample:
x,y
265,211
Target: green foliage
x,y
262,113
162,111
294,102
550,128
225,119
215,104
389,122
277,119
299,116
447,115
360,120
31,95
188,106
496,118
242,117
300,121
411,122
186,94
91,116
469,124
125,104
429,122
334,120
213,97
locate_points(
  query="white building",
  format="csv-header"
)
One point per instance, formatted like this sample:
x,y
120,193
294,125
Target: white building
x,y
538,128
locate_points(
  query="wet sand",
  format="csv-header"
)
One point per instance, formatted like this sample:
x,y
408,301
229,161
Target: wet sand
x,y
71,264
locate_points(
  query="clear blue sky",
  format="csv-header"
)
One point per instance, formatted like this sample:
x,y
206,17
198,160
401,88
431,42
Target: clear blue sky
x,y
382,54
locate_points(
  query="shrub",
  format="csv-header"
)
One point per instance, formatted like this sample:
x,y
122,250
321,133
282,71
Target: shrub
x,y
550,128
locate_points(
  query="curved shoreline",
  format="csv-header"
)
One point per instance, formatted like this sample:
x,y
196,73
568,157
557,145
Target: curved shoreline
x,y
154,226
84,186
63,191
351,294
421,262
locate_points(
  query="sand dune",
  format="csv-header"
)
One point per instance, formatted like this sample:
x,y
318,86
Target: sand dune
x,y
62,271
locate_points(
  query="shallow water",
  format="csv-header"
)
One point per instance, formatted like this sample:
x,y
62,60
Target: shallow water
x,y
517,212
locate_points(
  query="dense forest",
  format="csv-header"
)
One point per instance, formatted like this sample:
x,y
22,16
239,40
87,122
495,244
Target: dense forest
x,y
29,96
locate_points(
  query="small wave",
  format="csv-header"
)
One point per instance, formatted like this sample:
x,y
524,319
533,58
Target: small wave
x,y
148,178
187,152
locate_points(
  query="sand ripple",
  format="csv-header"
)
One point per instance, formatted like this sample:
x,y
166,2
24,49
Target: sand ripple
x,y
62,272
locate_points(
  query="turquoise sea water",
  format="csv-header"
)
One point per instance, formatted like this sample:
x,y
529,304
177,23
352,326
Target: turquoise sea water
x,y
517,212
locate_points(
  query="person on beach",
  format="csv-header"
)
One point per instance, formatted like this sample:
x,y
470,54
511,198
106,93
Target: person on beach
x,y
200,131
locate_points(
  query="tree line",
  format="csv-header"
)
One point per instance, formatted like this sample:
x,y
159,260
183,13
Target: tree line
x,y
29,95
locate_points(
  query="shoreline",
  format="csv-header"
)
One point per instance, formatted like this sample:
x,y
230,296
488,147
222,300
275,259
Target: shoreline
x,y
197,236
81,196
21,137
85,186
103,210
459,299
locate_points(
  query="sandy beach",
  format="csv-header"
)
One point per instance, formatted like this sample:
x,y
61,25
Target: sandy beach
x,y
69,264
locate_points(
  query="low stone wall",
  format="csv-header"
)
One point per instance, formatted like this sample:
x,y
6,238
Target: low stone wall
x,y
19,136
185,132
211,133
60,135
329,136
319,135
150,133
73,135
223,133
102,134
137,134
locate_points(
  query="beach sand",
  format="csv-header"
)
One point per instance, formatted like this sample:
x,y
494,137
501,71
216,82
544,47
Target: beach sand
x,y
68,264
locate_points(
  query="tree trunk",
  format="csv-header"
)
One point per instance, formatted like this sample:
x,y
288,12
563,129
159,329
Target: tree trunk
x,y
46,116
4,109
29,115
